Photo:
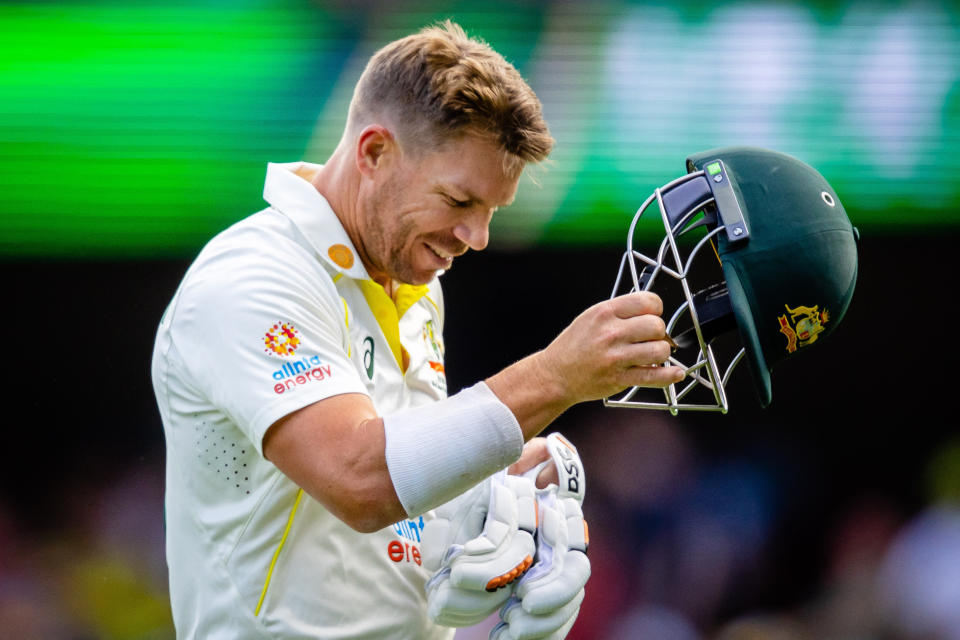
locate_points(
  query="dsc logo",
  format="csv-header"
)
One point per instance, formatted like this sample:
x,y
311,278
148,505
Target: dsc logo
x,y
569,466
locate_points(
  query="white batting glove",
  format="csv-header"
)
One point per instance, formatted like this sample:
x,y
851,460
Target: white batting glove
x,y
547,599
478,545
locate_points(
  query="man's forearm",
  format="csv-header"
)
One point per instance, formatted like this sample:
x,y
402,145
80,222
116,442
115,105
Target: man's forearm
x,y
535,397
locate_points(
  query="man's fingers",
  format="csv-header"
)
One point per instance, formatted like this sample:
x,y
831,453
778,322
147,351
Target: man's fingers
x,y
636,304
642,328
549,475
642,354
534,452
652,376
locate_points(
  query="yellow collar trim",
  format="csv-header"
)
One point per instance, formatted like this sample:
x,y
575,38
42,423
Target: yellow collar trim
x,y
388,312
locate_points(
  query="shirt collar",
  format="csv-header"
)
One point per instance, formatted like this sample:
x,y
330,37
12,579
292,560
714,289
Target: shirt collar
x,y
288,190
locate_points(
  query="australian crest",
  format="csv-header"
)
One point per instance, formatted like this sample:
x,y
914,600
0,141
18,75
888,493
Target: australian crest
x,y
801,325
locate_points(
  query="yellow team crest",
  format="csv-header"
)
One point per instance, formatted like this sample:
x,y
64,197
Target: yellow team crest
x,y
802,325
435,356
432,340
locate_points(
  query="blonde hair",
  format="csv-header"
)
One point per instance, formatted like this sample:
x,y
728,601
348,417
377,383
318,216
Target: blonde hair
x,y
438,85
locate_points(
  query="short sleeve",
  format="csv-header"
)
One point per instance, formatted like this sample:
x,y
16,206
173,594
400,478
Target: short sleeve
x,y
262,338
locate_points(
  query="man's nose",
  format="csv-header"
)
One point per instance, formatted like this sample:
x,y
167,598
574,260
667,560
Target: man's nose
x,y
474,231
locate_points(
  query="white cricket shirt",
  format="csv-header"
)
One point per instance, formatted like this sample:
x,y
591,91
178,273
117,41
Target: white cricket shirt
x,y
277,312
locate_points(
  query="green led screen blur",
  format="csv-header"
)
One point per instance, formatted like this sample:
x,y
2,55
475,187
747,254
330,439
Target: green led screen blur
x,y
141,129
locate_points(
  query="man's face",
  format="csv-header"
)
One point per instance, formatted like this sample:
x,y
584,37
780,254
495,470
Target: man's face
x,y
423,211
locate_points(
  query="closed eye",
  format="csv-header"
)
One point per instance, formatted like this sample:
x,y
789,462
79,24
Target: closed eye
x,y
460,204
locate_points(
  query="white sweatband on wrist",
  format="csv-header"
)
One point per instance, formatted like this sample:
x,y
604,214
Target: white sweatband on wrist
x,y
437,451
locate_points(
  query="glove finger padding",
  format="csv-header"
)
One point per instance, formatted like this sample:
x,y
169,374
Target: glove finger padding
x,y
478,543
505,548
518,624
453,524
453,607
562,568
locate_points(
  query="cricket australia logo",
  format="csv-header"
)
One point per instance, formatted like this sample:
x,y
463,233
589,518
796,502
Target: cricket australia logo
x,y
434,355
802,325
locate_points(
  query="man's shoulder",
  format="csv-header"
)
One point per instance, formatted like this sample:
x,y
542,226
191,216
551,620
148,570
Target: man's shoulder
x,y
266,239
263,229
264,250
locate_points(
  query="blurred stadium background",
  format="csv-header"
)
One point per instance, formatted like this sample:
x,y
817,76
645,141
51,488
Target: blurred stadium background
x,y
131,132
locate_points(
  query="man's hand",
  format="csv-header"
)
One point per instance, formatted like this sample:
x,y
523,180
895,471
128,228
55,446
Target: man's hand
x,y
479,543
615,344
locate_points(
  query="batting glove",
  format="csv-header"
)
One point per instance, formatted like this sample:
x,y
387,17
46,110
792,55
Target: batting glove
x,y
547,599
478,545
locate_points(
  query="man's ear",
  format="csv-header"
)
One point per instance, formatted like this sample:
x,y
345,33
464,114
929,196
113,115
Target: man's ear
x,y
374,143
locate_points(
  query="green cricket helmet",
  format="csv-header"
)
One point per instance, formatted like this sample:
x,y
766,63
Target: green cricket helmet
x,y
784,265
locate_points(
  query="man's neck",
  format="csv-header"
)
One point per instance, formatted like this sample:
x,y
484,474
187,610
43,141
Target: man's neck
x,y
339,186
338,182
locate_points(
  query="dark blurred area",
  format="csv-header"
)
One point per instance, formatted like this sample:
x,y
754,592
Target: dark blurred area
x,y
833,513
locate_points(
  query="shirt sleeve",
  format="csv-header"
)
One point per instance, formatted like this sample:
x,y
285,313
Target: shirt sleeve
x,y
262,338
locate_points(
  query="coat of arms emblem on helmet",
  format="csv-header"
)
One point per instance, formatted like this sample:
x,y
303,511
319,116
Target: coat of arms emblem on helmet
x,y
802,325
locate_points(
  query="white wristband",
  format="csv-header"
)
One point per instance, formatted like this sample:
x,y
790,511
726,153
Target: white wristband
x,y
436,452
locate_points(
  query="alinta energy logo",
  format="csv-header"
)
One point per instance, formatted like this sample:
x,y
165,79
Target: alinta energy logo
x,y
282,339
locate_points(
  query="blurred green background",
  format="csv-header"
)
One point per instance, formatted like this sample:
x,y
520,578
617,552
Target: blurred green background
x,y
136,129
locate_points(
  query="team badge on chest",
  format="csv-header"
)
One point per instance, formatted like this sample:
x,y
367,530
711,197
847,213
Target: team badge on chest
x,y
434,346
